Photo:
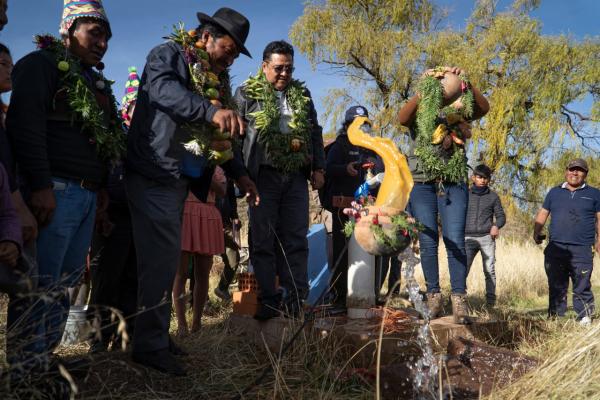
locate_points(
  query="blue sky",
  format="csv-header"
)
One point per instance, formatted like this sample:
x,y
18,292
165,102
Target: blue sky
x,y
139,25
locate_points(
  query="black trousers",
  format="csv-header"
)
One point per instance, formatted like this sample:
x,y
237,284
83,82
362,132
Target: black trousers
x,y
340,255
113,275
156,212
279,227
231,259
575,262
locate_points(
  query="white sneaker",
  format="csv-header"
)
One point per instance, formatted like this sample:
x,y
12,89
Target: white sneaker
x,y
585,321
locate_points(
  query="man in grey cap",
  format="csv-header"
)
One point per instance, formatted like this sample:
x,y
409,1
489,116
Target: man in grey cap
x,y
156,180
575,209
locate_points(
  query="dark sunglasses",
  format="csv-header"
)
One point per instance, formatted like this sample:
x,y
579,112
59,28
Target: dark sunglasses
x,y
280,68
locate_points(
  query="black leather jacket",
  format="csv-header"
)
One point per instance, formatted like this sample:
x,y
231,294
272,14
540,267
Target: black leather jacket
x,y
253,151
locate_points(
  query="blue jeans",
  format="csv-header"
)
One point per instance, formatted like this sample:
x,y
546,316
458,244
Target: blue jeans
x,y
62,247
425,205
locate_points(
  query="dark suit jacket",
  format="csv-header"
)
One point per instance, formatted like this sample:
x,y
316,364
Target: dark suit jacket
x,y
164,103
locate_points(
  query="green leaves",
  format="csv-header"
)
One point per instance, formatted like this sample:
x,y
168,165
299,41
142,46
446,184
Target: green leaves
x,y
105,130
382,47
280,149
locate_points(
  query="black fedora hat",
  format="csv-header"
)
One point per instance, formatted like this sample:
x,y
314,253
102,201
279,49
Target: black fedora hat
x,y
234,23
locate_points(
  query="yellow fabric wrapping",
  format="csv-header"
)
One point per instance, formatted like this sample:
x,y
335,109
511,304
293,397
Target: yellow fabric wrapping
x,y
397,182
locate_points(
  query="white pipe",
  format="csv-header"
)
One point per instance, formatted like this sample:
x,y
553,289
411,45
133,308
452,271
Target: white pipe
x,y
361,280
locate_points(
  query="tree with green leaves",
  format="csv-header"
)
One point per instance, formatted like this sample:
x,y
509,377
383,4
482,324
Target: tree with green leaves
x,y
535,83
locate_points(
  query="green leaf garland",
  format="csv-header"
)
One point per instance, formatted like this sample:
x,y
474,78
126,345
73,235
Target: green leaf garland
x,y
105,131
208,85
429,114
288,152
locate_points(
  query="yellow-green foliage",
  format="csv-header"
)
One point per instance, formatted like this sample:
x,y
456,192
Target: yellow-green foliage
x,y
530,79
373,43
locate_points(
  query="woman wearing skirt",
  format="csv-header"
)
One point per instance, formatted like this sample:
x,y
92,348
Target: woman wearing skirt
x,y
201,239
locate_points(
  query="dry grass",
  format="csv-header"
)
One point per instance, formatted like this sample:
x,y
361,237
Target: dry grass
x,y
571,366
221,363
521,279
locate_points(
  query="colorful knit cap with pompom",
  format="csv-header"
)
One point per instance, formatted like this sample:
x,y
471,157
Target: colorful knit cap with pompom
x,y
74,9
131,90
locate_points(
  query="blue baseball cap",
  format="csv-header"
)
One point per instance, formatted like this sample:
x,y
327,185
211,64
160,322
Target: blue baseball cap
x,y
353,112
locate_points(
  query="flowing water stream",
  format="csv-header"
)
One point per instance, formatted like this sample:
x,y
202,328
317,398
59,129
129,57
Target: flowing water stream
x,y
427,366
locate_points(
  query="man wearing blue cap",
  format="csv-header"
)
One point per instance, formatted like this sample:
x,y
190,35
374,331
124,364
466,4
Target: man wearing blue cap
x,y
344,174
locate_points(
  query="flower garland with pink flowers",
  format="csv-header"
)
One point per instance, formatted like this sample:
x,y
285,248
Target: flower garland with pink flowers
x,y
105,130
404,228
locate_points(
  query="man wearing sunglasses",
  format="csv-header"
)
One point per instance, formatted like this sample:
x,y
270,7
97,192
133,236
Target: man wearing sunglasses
x,y
282,149
575,222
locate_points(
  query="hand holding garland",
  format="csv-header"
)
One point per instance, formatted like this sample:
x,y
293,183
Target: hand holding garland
x,y
408,112
213,143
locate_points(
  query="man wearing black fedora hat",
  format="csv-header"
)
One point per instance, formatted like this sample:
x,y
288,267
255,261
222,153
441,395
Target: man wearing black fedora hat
x,y
169,103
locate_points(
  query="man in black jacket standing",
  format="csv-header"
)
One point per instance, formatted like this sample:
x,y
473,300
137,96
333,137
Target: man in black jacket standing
x,y
62,155
283,147
156,187
344,175
485,217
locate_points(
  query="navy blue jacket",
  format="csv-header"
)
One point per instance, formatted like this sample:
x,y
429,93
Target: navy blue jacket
x,y
164,103
340,154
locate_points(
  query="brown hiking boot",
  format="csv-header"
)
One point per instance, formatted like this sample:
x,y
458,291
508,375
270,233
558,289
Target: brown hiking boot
x,y
460,309
435,305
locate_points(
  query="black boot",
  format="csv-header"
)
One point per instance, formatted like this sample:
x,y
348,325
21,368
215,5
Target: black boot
x,y
292,307
268,308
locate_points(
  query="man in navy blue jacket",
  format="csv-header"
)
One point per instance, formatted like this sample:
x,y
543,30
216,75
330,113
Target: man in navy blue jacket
x,y
155,186
344,175
575,210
